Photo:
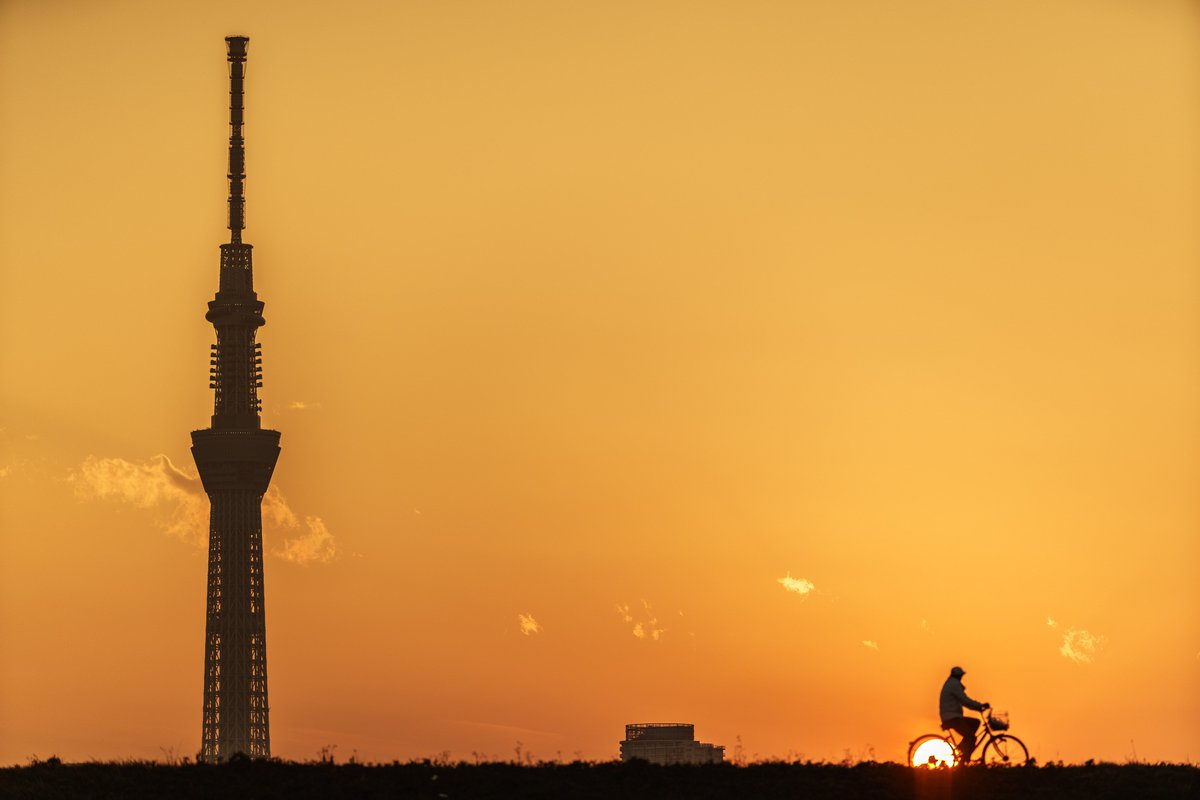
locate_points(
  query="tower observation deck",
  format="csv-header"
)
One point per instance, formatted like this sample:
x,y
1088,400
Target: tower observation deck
x,y
235,457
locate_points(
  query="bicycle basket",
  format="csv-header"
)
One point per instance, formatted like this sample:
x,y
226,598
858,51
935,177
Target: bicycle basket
x,y
998,720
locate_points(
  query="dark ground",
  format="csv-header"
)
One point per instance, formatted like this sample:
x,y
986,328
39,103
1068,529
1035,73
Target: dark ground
x,y
288,781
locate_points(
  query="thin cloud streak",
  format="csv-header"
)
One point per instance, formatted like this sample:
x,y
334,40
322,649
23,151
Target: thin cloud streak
x,y
528,625
645,626
176,497
1081,646
801,586
180,507
316,546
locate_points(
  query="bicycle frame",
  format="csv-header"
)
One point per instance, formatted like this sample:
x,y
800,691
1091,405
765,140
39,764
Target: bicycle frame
x,y
994,746
981,742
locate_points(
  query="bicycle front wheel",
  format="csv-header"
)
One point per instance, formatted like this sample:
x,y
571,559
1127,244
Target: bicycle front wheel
x,y
931,751
1005,751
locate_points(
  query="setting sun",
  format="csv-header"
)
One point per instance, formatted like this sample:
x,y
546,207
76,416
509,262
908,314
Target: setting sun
x,y
933,753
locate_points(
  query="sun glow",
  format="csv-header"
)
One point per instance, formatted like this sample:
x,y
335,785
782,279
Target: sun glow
x,y
933,753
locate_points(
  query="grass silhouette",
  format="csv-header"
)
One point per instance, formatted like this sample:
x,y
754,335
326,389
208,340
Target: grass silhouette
x,y
270,779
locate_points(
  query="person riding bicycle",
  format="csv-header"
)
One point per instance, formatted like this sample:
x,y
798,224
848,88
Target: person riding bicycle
x,y
950,707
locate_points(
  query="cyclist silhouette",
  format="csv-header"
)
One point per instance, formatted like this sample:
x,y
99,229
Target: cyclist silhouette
x,y
950,707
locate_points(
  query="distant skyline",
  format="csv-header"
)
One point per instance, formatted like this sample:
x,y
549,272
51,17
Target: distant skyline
x,y
638,361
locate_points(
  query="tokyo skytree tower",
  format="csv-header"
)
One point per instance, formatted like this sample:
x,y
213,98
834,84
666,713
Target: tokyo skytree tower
x,y
235,457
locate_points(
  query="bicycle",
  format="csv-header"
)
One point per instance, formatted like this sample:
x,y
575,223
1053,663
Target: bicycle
x,y
995,749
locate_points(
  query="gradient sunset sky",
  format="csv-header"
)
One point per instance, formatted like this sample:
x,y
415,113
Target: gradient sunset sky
x,y
744,363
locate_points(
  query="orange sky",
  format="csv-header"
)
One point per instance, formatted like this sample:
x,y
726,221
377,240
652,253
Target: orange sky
x,y
612,315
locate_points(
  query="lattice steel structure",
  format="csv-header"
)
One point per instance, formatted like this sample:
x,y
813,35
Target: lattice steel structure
x,y
235,457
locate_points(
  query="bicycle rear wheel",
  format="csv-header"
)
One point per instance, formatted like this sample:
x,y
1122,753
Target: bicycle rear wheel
x,y
1005,751
931,751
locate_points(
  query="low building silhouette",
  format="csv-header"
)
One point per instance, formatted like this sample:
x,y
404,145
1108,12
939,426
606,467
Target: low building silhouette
x,y
668,743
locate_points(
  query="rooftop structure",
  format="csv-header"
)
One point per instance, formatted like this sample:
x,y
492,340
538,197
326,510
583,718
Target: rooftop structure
x,y
668,743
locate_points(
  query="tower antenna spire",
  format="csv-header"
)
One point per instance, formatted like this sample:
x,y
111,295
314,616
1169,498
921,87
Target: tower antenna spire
x,y
236,47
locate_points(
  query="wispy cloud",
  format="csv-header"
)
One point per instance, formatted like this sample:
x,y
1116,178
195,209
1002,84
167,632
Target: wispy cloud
x,y
925,626
5,471
276,510
176,499
645,623
303,405
1052,622
315,546
800,586
1081,646
871,644
175,496
528,624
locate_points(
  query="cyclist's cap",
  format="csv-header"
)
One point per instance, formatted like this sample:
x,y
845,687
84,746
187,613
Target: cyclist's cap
x,y
957,672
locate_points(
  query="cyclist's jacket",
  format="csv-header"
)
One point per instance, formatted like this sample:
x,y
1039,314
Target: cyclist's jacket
x,y
953,698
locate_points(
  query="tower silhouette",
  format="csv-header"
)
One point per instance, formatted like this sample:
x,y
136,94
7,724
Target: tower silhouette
x,y
235,457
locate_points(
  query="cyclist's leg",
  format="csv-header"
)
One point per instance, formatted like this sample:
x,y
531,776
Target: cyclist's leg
x,y
954,738
966,727
968,745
